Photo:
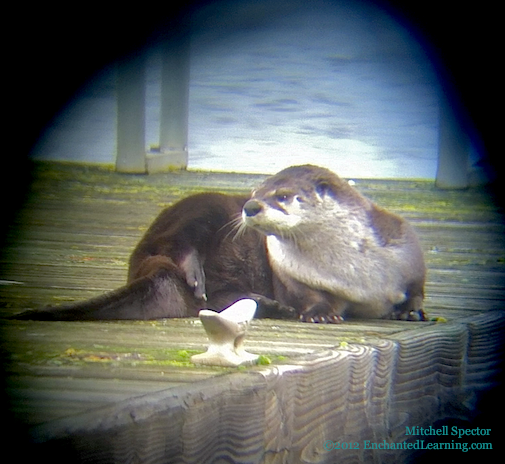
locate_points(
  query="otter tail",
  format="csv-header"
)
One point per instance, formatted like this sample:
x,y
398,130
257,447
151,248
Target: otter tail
x,y
153,297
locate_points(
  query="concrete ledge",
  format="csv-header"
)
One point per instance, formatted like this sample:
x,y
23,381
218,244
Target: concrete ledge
x,y
159,162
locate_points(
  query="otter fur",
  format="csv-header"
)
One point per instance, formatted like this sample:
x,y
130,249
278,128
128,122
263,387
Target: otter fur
x,y
305,245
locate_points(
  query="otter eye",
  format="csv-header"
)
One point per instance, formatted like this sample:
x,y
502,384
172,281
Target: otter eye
x,y
282,198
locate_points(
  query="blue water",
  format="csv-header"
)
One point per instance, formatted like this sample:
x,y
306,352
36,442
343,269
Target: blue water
x,y
344,87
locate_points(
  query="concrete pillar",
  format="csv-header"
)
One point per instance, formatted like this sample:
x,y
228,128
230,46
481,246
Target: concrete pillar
x,y
453,150
131,150
174,108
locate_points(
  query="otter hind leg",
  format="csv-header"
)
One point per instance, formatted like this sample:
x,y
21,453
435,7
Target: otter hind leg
x,y
161,294
410,310
192,266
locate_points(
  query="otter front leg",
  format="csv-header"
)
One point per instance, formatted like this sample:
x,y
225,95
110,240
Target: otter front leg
x,y
321,313
311,305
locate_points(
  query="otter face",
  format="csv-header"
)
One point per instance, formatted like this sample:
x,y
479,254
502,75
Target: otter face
x,y
299,200
293,200
273,212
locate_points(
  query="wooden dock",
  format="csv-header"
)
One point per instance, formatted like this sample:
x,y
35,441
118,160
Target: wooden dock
x,y
126,392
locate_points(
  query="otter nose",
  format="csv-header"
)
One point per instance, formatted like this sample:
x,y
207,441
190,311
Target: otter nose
x,y
252,208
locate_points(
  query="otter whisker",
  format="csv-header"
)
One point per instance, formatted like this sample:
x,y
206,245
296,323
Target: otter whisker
x,y
236,226
241,230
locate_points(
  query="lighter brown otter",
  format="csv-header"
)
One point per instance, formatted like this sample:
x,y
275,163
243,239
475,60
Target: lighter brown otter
x,y
332,251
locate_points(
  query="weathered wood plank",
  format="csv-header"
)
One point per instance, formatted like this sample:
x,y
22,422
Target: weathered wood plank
x,y
117,391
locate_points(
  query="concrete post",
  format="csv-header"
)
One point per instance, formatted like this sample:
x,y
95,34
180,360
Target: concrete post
x,y
131,150
453,150
173,151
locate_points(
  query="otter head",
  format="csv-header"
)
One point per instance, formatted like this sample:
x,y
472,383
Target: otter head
x,y
299,199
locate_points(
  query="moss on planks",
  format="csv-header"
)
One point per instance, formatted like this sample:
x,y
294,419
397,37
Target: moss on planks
x,y
148,346
74,235
163,348
101,182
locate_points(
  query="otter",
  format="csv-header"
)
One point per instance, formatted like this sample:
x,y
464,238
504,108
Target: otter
x,y
305,245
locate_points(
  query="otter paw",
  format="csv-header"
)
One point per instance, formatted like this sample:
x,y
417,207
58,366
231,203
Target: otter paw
x,y
321,318
272,309
413,315
418,315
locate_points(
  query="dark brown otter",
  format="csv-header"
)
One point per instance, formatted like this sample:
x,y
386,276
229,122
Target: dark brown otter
x,y
305,245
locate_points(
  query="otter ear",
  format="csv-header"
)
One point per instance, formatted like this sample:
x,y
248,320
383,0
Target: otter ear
x,y
323,188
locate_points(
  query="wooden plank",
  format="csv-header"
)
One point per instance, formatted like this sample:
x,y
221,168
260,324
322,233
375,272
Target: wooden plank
x,y
113,390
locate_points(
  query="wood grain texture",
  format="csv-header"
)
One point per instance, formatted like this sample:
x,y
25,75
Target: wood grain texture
x,y
117,392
